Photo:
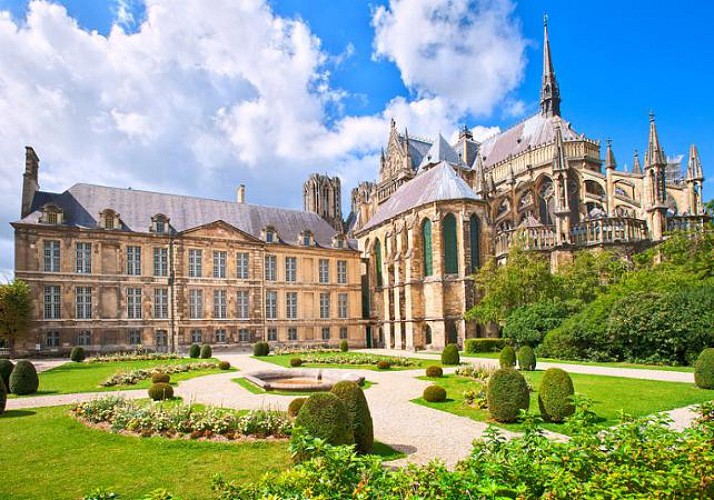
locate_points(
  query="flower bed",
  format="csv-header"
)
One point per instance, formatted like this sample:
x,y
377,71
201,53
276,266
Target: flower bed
x,y
132,377
180,421
133,356
339,358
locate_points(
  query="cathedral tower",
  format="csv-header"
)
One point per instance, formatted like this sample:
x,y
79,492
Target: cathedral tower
x,y
323,195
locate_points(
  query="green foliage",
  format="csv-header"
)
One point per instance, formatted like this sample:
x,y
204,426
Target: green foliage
x,y
160,377
100,494
589,274
261,349
161,391
344,346
224,365
15,309
24,379
358,410
555,395
704,369
295,362
6,367
507,359
528,325
526,358
434,394
507,394
434,371
294,406
77,354
206,351
383,364
475,346
450,355
325,416
194,351
3,397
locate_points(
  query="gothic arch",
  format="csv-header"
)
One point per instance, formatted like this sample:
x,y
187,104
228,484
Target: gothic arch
x,y
426,245
474,246
378,262
451,252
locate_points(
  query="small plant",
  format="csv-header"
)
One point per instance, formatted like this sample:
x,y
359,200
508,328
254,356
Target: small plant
x,y
160,377
555,396
100,494
325,416
450,355
358,410
344,346
507,394
6,367
194,351
384,364
206,351
294,406
24,379
507,359
261,349
295,362
526,358
476,398
77,355
161,391
704,369
224,365
3,397
434,371
434,394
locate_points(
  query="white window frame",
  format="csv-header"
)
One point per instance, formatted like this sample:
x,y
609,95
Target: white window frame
x,y
271,264
220,304
243,304
342,305
291,269
291,305
242,265
220,258
133,260
324,270
161,261
325,305
195,303
83,257
52,302
342,272
52,256
195,263
161,303
271,304
133,303
83,302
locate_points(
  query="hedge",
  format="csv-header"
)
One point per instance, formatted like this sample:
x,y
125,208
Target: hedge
x,y
474,346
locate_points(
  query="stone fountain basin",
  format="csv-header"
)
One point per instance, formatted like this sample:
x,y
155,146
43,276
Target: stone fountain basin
x,y
300,380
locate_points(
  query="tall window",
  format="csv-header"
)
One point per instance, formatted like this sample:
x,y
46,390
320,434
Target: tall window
x,y
134,337
342,307
343,333
291,305
84,257
52,339
324,271
84,338
195,304
161,303
325,305
474,242
326,333
196,336
219,304
161,262
133,303
451,256
292,333
195,263
242,265
83,302
271,304
426,245
243,304
342,272
378,261
221,336
219,264
52,302
272,334
243,335
52,256
271,262
290,268
133,261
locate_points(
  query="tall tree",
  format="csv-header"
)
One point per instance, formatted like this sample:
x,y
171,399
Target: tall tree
x,y
15,310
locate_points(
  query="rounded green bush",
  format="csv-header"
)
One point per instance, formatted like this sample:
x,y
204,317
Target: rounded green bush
x,y
325,416
507,359
295,362
360,417
6,367
160,377
507,394
224,365
294,406
434,371
194,351
24,379
344,346
434,394
384,364
555,395
161,391
261,349
77,355
526,358
704,369
450,355
206,351
3,397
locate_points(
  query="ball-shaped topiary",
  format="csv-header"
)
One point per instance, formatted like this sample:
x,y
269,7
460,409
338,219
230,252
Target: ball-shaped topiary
x,y
261,349
6,367
360,417
3,397
295,362
344,346
325,416
507,359
526,358
77,354
450,355
206,351
24,379
555,395
224,365
294,406
161,391
507,394
194,351
434,394
160,377
704,369
383,364
434,371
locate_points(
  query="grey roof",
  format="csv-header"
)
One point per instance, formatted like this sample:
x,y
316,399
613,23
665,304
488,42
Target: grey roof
x,y
82,203
417,149
439,183
440,151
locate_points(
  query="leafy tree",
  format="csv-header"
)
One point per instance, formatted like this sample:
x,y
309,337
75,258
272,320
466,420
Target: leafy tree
x,y
15,310
590,274
528,325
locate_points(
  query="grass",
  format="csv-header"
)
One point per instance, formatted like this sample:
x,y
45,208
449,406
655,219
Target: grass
x,y
284,361
251,387
609,396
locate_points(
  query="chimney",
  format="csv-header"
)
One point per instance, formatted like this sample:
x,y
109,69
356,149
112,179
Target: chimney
x,y
240,194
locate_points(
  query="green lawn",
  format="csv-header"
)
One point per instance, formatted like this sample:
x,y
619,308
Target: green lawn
x,y
250,386
609,396
284,361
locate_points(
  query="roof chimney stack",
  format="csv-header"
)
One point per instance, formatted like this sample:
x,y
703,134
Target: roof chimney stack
x,y
240,194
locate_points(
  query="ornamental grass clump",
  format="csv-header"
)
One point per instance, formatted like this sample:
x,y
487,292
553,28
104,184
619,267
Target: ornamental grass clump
x,y
507,394
6,367
358,410
194,351
77,354
206,351
161,391
24,379
325,416
526,358
704,369
434,371
450,355
507,359
555,395
434,394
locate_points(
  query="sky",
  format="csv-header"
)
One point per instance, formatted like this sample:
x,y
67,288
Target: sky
x,y
173,96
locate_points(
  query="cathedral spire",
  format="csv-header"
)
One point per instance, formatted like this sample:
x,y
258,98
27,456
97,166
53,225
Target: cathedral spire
x,y
694,166
559,161
549,92
655,154
610,156
636,167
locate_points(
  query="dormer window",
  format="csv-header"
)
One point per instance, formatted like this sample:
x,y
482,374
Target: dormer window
x,y
109,219
307,239
270,235
51,214
159,224
339,241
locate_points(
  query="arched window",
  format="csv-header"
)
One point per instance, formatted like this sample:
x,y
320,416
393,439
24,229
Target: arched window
x,y
474,239
427,335
451,256
378,261
426,245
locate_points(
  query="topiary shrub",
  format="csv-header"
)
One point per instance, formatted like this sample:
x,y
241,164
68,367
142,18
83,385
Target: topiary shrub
x,y
24,379
224,365
555,395
474,346
294,406
261,349
325,416
344,346
507,359
507,394
6,367
526,358
434,394
160,377
3,397
360,417
704,369
194,351
161,391
434,371
384,364
206,351
450,355
295,362
77,354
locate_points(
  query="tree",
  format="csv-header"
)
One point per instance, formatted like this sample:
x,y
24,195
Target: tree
x,y
591,273
15,310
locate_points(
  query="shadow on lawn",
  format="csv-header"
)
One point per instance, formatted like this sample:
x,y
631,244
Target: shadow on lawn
x,y
16,414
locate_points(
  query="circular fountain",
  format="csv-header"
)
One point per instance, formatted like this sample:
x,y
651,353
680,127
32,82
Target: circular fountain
x,y
300,380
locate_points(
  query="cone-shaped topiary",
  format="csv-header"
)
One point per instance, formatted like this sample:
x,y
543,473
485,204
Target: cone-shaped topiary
x,y
704,369
206,351
194,351
3,397
507,394
161,391
6,367
344,346
324,415
294,406
434,394
24,379
526,358
507,359
261,349
450,355
160,377
77,355
360,417
434,371
555,395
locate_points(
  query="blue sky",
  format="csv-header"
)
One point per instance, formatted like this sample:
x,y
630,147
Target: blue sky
x,y
175,96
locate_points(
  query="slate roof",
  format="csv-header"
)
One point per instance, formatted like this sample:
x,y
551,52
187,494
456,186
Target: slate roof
x,y
439,183
440,151
82,203
417,149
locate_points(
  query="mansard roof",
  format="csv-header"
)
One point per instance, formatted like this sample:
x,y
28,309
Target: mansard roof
x,y
439,183
440,151
82,204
